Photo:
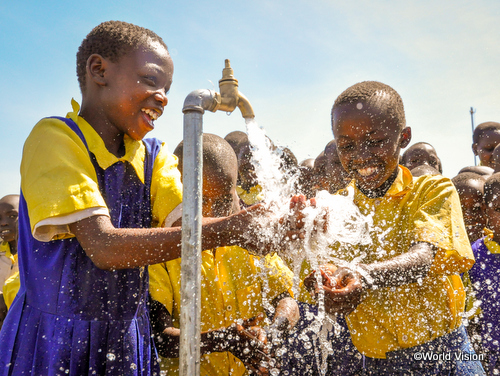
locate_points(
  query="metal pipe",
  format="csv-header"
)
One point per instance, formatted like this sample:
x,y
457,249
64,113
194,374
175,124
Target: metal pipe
x,y
195,105
189,348
472,112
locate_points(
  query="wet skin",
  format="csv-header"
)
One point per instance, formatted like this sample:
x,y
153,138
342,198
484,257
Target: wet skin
x,y
368,143
471,201
122,90
8,221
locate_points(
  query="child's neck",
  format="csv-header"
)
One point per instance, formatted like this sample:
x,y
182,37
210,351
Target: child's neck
x,y
382,190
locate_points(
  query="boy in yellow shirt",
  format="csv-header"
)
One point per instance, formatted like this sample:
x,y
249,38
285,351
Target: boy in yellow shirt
x,y
403,296
235,285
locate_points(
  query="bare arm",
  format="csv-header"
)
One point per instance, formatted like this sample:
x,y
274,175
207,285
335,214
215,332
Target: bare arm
x,y
121,248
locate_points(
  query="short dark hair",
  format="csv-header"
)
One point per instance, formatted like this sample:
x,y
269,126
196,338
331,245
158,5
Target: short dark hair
x,y
464,177
112,40
491,184
484,127
370,93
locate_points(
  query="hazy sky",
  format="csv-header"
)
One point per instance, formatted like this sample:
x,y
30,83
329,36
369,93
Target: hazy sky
x,y
292,59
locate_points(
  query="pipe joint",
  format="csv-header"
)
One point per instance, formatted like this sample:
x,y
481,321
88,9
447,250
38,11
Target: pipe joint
x,y
202,100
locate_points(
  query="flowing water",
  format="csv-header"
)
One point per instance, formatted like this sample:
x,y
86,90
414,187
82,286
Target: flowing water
x,y
337,214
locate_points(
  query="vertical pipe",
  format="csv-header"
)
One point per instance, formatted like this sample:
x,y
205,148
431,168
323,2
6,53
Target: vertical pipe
x,y
472,111
189,351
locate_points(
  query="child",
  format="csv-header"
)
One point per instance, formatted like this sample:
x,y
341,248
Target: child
x,y
495,157
305,182
486,136
470,188
9,211
91,190
485,277
249,191
337,175
480,170
420,154
320,173
233,283
401,293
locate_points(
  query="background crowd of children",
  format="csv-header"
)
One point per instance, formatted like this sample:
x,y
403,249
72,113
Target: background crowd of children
x,y
247,298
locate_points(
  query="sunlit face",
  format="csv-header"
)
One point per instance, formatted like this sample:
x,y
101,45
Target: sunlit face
x,y
488,140
422,155
471,201
8,221
492,211
368,143
218,198
136,89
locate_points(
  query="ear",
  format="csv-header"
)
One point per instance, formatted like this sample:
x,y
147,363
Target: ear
x,y
405,137
96,68
474,148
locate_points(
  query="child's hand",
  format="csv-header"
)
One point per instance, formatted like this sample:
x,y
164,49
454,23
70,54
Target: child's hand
x,y
342,287
248,342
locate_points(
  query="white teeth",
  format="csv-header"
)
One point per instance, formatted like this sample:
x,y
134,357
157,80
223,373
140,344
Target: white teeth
x,y
152,113
367,171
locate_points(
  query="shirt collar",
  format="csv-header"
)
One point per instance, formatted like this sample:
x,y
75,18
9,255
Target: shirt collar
x,y
400,186
492,245
134,150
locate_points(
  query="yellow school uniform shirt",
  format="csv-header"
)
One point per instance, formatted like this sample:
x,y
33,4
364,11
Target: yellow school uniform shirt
x,y
252,196
232,287
424,209
65,182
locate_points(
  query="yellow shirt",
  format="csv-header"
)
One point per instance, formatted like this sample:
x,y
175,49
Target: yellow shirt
x,y
8,263
232,287
424,209
64,182
251,197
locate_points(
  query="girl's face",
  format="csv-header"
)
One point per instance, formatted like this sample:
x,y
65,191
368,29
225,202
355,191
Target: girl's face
x,y
136,89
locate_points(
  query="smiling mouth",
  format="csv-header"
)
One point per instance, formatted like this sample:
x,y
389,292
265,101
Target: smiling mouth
x,y
152,114
367,171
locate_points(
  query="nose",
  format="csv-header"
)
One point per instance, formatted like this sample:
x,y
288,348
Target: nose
x,y
361,154
161,96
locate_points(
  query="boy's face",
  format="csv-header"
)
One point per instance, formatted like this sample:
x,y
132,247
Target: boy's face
x,y
368,143
246,169
135,93
471,201
485,146
8,221
493,214
422,155
218,198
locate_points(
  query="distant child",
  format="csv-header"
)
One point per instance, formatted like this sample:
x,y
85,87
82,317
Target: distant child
x,y
485,276
9,212
249,191
320,173
495,157
234,284
337,175
470,188
305,182
236,139
486,136
401,294
420,154
92,188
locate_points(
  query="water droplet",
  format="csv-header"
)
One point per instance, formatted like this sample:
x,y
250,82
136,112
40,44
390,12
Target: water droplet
x,y
111,356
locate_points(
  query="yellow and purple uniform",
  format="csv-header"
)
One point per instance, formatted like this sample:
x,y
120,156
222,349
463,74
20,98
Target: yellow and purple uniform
x,y
252,196
424,209
233,287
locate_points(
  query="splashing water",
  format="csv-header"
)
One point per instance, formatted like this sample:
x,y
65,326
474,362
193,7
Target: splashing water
x,y
337,213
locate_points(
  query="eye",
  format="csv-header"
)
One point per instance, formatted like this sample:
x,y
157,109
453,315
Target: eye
x,y
150,80
345,147
377,143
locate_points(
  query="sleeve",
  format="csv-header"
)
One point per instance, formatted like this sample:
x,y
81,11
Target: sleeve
x,y
57,175
438,221
10,289
160,287
166,187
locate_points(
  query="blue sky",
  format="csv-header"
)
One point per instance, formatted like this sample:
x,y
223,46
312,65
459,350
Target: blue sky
x,y
292,59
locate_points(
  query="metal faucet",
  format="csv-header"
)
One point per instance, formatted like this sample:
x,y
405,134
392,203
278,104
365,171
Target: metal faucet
x,y
195,105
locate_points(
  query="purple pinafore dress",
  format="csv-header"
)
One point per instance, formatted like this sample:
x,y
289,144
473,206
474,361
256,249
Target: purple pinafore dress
x,y
71,318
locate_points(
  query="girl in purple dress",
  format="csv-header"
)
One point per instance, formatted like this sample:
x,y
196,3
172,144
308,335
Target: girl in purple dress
x,y
93,191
